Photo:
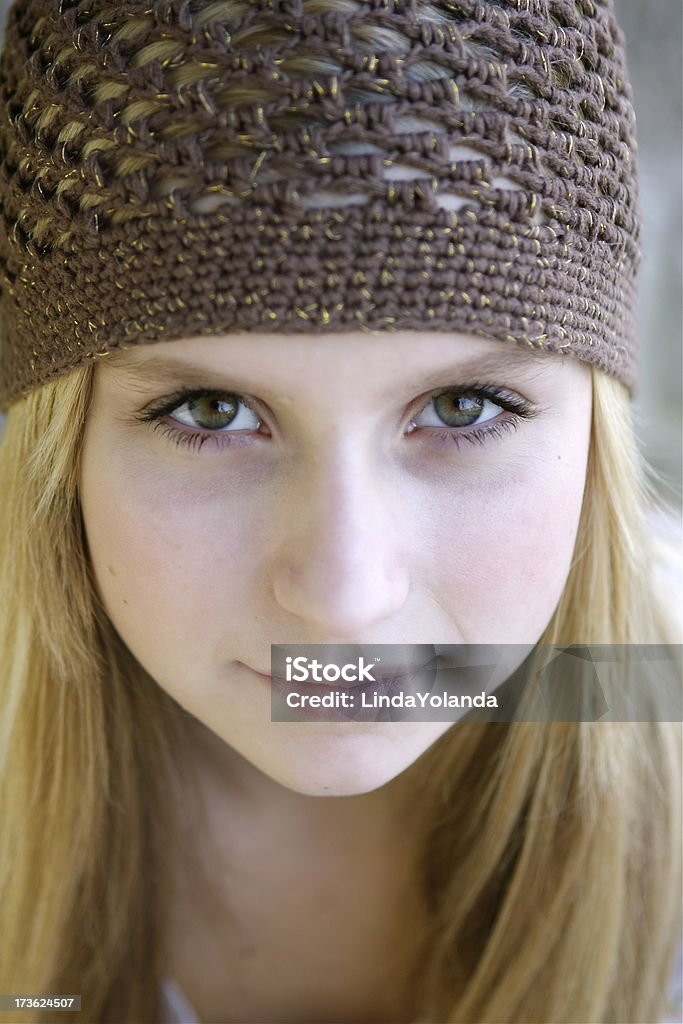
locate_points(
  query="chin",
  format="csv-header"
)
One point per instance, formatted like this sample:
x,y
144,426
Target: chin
x,y
341,784
341,762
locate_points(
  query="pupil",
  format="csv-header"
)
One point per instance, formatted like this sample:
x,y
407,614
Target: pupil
x,y
212,412
459,410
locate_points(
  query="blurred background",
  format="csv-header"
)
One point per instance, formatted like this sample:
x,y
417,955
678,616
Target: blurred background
x,y
654,48
654,38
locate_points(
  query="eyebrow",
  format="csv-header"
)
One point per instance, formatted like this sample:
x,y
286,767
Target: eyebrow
x,y
166,371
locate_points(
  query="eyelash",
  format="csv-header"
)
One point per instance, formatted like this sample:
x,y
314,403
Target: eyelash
x,y
519,409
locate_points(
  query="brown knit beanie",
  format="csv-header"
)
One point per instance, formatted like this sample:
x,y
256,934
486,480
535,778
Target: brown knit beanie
x,y
170,168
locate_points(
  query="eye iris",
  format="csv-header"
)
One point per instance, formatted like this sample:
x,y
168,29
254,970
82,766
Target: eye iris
x,y
459,410
212,412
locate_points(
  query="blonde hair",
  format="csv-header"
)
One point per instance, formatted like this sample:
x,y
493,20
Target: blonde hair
x,y
551,861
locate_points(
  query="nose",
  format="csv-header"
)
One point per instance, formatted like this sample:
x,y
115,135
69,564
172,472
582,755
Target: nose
x,y
341,563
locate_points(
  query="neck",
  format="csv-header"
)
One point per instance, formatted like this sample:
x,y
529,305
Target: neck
x,y
284,879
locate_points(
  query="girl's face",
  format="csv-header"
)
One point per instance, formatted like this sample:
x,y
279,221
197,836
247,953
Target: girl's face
x,y
396,488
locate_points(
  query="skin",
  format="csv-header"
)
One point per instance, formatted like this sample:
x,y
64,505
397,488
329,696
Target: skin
x,y
337,518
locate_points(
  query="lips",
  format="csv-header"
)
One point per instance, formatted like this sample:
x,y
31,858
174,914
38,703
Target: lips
x,y
385,674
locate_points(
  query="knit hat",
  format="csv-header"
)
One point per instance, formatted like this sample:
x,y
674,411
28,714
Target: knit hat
x,y
172,168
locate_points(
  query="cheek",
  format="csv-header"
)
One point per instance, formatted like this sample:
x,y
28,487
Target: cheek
x,y
508,550
172,564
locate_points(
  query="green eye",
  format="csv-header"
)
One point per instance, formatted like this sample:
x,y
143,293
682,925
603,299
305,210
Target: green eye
x,y
212,413
459,410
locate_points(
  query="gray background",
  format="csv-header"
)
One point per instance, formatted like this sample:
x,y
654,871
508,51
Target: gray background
x,y
653,30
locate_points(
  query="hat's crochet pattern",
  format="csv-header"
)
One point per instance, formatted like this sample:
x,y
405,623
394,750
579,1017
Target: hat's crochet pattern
x,y
185,167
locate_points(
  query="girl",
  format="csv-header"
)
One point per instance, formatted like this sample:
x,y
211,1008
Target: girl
x,y
318,329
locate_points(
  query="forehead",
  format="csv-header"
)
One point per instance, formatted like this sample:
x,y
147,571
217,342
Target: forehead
x,y
382,360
